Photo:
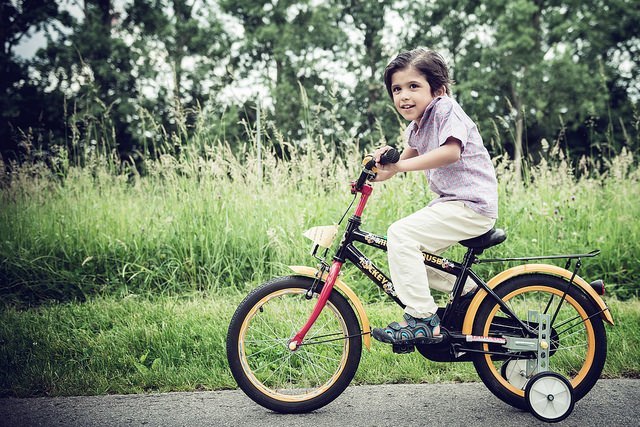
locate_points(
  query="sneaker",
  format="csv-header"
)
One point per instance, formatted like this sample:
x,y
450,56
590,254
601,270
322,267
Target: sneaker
x,y
416,331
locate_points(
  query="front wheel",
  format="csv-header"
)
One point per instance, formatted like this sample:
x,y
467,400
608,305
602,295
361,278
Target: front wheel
x,y
293,381
578,338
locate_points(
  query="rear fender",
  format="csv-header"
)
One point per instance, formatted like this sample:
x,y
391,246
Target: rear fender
x,y
529,269
349,294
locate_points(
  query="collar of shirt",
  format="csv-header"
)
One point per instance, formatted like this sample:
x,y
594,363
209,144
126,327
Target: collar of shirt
x,y
416,126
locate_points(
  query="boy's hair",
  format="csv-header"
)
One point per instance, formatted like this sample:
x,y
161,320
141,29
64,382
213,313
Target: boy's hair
x,y
428,62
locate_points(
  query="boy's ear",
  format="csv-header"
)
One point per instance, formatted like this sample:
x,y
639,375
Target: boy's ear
x,y
441,91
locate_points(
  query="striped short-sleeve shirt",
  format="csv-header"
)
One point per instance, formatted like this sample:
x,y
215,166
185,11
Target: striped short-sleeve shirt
x,y
472,179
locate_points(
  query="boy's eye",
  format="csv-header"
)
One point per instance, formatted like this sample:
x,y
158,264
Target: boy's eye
x,y
414,86
395,89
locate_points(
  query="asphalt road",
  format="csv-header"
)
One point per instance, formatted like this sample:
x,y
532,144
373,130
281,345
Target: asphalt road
x,y
610,403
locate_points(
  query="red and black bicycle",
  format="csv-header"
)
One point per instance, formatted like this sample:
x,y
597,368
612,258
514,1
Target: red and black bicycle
x,y
535,332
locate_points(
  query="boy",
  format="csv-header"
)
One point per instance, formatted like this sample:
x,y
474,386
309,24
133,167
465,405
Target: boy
x,y
444,143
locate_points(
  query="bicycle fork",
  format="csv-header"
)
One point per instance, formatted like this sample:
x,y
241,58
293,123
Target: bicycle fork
x,y
296,341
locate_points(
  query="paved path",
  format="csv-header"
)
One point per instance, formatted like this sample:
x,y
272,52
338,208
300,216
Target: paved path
x,y
610,403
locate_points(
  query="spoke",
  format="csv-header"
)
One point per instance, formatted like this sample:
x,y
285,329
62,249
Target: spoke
x,y
569,347
286,356
263,350
271,331
576,325
293,323
331,359
546,309
316,365
274,341
270,362
566,337
312,367
577,316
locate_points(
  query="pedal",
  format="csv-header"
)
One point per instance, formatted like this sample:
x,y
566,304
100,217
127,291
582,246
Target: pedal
x,y
403,348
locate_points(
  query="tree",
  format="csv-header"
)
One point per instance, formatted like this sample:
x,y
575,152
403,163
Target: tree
x,y
174,33
369,19
283,43
21,105
525,65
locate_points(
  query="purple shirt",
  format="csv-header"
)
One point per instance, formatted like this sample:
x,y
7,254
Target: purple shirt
x,y
472,179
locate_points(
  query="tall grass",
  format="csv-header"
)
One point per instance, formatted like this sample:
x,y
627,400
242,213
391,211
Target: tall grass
x,y
206,219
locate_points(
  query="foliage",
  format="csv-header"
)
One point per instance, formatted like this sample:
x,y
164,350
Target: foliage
x,y
526,70
537,69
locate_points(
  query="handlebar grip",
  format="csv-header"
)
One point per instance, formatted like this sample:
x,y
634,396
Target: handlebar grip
x,y
390,156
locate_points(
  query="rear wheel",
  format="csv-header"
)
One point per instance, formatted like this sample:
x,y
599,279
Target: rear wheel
x,y
578,338
293,381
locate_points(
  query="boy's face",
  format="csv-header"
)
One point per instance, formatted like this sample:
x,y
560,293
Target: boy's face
x,y
411,93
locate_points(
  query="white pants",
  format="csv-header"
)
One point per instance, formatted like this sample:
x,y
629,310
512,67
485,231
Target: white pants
x,y
432,229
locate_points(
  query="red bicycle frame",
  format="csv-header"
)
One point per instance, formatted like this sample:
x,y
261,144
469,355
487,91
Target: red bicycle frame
x,y
334,271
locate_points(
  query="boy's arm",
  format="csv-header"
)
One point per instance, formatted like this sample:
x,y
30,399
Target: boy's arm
x,y
447,153
384,174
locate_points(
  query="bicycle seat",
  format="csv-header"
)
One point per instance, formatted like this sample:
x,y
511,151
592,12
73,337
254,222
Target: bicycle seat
x,y
493,237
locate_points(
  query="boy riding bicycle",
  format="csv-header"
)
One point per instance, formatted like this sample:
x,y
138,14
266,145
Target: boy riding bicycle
x,y
443,142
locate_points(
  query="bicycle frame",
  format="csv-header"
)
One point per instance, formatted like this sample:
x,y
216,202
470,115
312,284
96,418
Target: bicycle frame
x,y
346,251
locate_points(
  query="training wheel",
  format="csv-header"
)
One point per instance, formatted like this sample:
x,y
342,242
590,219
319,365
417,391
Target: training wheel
x,y
515,372
549,396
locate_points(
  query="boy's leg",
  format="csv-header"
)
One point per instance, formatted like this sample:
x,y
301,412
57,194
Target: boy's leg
x,y
432,229
441,281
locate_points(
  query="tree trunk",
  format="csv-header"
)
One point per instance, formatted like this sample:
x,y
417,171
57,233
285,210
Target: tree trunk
x,y
517,143
373,53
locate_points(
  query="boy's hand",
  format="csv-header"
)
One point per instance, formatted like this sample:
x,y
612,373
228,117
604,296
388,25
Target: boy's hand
x,y
384,171
383,175
379,152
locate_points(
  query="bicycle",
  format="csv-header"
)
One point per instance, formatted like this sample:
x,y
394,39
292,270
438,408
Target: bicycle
x,y
534,333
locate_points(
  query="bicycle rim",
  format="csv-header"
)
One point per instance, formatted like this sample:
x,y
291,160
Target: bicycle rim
x,y
292,376
578,343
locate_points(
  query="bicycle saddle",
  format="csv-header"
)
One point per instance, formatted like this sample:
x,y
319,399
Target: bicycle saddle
x,y
493,237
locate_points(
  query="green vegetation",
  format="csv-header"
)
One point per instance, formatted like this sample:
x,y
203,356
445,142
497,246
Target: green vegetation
x,y
524,70
136,210
148,270
208,223
132,345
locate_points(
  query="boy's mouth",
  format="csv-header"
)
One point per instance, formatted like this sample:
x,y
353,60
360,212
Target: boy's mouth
x,y
407,107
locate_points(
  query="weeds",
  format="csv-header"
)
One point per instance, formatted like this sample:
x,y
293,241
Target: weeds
x,y
206,219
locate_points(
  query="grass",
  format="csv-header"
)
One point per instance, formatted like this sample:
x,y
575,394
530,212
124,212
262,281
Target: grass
x,y
133,345
147,270
204,223
111,345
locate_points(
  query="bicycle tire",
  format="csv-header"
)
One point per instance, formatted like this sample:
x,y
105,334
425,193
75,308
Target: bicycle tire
x,y
293,381
578,348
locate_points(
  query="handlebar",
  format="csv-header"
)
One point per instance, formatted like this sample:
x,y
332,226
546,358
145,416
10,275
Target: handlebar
x,y
369,172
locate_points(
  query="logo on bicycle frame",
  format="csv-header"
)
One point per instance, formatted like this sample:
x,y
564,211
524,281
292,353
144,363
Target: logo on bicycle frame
x,y
375,273
376,240
434,259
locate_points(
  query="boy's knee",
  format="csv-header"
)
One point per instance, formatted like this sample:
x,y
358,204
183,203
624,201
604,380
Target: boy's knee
x,y
393,232
396,232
